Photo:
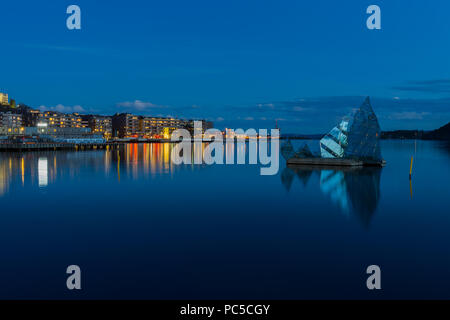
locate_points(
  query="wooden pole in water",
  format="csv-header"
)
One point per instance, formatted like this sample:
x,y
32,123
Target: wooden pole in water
x,y
410,188
410,168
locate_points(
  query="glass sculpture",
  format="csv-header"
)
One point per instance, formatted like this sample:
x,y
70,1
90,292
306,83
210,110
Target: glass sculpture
x,y
357,136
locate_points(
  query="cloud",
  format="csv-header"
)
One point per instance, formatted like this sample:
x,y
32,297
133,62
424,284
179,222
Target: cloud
x,y
249,118
219,119
427,86
265,105
139,105
432,82
408,115
319,114
64,109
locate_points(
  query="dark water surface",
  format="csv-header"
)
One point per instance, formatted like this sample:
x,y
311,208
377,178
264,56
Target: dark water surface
x,y
142,227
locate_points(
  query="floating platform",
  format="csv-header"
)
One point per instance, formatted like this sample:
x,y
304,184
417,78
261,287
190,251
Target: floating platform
x,y
333,162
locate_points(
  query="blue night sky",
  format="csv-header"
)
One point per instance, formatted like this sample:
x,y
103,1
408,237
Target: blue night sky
x,y
240,63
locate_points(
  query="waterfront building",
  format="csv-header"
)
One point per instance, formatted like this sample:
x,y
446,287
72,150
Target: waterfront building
x,y
44,130
50,126
61,120
149,126
10,120
99,124
70,135
31,117
189,125
4,99
6,131
53,119
160,126
65,135
125,125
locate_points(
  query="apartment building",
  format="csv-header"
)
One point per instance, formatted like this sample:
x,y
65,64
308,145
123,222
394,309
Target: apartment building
x,y
10,120
125,125
4,99
99,124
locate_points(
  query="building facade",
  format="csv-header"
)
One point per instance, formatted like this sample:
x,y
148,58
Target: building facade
x,y
189,125
53,119
125,125
99,125
62,120
160,127
31,117
10,120
4,99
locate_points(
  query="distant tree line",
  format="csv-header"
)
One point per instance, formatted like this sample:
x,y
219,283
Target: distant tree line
x,y
443,133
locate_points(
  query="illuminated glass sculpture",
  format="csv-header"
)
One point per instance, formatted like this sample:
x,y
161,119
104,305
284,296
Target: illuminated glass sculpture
x,y
288,152
304,152
357,136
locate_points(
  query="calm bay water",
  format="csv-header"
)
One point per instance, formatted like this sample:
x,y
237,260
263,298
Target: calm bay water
x,y
141,227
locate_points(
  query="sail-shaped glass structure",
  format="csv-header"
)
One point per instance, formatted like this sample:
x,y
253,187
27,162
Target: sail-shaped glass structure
x,y
288,152
334,143
304,152
357,136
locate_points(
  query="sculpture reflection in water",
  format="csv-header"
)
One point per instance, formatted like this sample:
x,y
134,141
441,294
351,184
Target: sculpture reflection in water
x,y
354,190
